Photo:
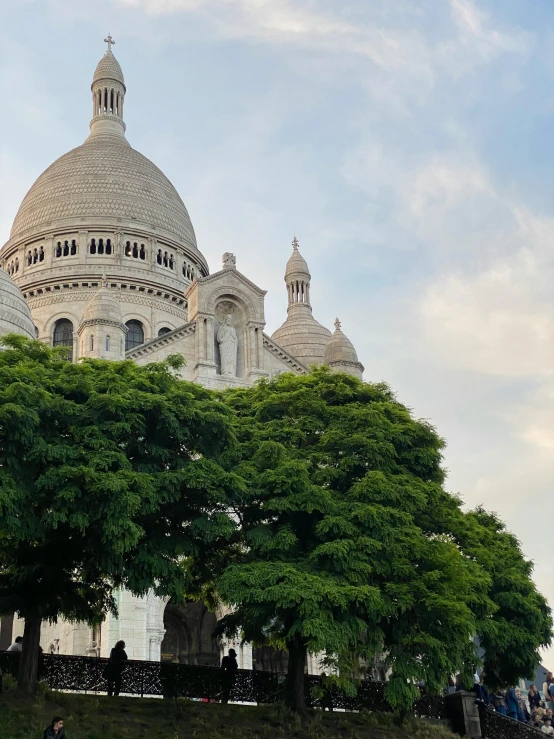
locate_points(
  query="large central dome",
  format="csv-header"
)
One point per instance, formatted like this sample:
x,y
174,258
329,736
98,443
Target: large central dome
x,y
104,180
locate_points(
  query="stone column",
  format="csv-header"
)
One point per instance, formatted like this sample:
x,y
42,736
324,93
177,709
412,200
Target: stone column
x,y
210,339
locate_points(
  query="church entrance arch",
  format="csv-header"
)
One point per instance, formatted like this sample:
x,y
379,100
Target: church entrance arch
x,y
188,636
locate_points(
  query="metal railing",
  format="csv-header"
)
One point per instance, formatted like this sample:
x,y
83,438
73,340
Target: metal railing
x,y
142,678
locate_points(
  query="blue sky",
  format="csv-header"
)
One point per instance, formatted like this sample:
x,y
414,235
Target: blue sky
x,y
407,144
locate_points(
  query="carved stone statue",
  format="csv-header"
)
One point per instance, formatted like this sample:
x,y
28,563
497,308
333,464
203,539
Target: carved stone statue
x,y
228,344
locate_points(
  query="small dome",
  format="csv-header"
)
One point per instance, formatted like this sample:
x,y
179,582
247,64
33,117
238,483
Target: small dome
x,y
340,354
303,337
108,69
296,265
15,316
103,306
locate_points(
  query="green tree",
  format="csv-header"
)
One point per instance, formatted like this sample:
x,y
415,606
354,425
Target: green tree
x,y
347,541
109,477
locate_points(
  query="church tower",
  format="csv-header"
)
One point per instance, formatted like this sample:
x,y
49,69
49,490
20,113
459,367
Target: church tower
x,y
301,334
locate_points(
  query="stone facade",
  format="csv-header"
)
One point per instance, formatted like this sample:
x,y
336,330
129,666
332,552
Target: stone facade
x,y
102,258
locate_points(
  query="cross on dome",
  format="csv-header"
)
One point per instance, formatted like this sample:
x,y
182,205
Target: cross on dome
x,y
337,324
109,40
295,244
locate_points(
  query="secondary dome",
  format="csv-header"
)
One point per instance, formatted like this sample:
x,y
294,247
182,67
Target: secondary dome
x,y
103,306
15,316
340,354
301,335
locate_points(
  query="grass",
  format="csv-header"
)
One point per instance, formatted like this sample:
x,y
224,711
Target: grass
x,y
100,717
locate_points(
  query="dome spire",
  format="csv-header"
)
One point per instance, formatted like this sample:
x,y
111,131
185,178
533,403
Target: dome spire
x,y
108,93
297,279
109,40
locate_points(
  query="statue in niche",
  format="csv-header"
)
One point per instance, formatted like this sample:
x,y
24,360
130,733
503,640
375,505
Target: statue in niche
x,y
228,344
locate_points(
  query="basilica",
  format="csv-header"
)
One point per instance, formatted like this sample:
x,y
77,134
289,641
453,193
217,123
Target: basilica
x,y
102,259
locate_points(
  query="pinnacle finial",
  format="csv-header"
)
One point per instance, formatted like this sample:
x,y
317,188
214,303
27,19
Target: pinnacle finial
x,y
104,280
337,324
295,244
109,40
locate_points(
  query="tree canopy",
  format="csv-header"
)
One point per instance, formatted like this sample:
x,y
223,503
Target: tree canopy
x,y
351,546
109,477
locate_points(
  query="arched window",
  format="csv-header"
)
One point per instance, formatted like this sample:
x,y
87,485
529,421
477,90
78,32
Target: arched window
x,y
108,246
73,247
159,256
66,248
142,252
93,246
63,335
41,254
58,249
164,330
127,248
100,246
107,343
135,335
135,250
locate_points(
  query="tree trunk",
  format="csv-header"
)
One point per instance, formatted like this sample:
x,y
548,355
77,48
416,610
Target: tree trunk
x,y
295,697
28,661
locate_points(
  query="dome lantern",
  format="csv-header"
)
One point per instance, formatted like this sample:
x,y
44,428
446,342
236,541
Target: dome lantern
x,y
108,93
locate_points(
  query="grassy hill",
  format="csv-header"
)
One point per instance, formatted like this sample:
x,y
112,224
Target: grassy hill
x,y
99,717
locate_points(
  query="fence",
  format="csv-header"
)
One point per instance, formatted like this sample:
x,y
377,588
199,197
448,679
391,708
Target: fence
x,y
496,726
85,674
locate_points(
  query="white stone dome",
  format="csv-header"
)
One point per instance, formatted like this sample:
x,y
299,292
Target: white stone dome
x,y
104,181
303,337
340,354
108,68
297,267
15,316
103,306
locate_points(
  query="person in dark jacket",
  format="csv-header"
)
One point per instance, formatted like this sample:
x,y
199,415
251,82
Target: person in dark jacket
x,y
55,730
229,667
114,669
534,698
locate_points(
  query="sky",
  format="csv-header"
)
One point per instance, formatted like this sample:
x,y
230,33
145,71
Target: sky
x,y
406,143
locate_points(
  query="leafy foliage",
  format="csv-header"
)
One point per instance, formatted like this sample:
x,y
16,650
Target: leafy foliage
x,y
108,477
350,544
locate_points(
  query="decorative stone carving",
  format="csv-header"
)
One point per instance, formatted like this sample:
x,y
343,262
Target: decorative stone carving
x,y
229,261
228,346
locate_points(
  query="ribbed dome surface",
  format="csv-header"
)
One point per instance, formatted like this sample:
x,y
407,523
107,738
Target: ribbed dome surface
x,y
100,183
303,337
103,306
108,69
339,348
296,265
15,316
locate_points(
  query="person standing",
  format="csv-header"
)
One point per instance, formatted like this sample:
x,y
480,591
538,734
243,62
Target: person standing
x,y
534,698
512,704
114,669
546,684
229,666
499,699
55,730
17,646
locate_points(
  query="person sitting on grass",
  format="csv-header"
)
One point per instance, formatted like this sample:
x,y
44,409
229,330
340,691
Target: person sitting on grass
x,y
55,730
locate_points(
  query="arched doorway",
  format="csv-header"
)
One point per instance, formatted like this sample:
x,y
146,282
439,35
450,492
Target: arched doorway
x,y
188,635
